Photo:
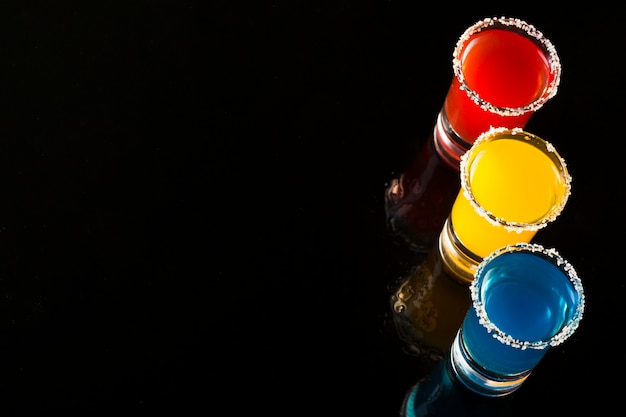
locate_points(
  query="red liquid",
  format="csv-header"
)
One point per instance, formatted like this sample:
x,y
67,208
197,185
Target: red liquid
x,y
505,69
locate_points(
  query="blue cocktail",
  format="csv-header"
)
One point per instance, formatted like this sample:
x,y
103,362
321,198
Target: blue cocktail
x,y
525,299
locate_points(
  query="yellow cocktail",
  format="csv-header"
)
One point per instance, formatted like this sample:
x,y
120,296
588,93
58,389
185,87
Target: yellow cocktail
x,y
512,184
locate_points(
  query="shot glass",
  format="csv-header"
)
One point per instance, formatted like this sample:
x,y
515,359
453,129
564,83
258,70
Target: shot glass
x,y
504,71
526,299
513,183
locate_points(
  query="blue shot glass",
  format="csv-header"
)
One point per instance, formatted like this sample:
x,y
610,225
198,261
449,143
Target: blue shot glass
x,y
525,300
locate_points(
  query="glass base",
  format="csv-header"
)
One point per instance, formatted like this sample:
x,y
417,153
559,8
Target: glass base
x,y
449,145
478,379
459,261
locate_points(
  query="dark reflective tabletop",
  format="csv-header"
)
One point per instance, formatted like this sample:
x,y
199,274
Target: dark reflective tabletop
x,y
193,216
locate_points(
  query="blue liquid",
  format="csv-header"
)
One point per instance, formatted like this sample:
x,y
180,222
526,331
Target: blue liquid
x,y
528,298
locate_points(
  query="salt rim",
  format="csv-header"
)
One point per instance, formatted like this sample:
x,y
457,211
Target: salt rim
x,y
491,218
552,255
531,31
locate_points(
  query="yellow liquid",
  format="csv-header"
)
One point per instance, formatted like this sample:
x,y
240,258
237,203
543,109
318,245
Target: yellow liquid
x,y
515,182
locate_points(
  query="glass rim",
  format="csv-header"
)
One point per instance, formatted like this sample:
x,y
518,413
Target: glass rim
x,y
557,260
533,34
495,133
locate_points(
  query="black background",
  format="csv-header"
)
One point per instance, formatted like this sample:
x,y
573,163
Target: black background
x,y
192,202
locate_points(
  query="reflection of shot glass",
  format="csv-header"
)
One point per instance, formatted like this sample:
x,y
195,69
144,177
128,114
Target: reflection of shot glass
x,y
526,299
513,183
504,71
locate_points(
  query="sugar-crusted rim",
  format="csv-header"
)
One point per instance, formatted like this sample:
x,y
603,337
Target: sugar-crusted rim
x,y
530,31
517,133
553,256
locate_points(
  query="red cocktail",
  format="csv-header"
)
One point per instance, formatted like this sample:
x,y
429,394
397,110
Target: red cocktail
x,y
504,71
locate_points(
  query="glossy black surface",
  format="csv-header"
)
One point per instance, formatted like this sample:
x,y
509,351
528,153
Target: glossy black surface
x,y
192,203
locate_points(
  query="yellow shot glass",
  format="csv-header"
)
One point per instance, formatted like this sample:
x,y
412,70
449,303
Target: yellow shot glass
x,y
513,183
